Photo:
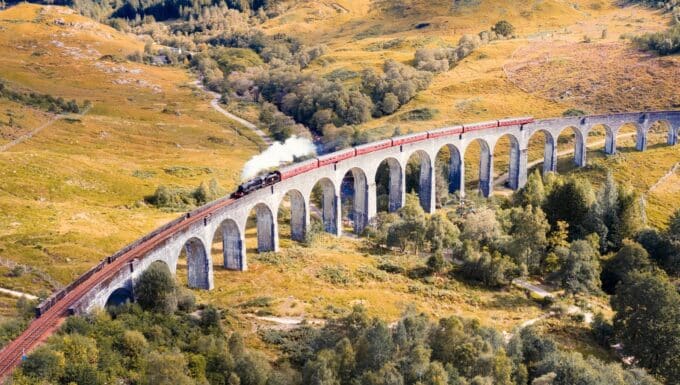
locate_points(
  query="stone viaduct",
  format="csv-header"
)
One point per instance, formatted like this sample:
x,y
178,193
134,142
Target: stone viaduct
x,y
229,221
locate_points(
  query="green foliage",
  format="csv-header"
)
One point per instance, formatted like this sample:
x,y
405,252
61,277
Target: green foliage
x,y
181,199
42,101
631,257
663,248
491,269
529,229
647,322
503,28
155,289
570,200
663,43
602,330
533,192
398,80
573,112
580,272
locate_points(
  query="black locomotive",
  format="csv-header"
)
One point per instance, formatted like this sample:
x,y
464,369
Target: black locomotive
x,y
257,183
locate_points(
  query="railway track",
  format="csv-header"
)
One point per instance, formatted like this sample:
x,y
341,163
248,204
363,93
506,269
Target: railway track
x,y
41,328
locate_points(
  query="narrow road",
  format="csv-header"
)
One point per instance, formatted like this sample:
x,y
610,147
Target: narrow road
x,y
17,294
215,103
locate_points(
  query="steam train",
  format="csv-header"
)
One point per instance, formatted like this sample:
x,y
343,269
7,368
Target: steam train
x,y
283,174
335,157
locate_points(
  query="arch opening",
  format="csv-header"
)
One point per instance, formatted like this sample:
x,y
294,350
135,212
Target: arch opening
x,y
292,216
119,297
479,167
227,248
660,133
627,137
448,174
506,157
197,265
389,181
571,150
261,229
541,152
324,206
354,198
420,178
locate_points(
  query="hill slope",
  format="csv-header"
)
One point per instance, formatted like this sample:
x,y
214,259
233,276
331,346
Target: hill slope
x,y
74,192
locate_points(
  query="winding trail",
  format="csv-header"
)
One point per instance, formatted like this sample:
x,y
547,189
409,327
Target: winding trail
x,y
215,103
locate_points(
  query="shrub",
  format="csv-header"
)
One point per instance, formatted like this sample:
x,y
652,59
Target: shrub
x,y
156,290
504,28
663,43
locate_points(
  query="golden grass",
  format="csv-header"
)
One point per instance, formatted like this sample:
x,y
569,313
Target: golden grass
x,y
295,281
72,194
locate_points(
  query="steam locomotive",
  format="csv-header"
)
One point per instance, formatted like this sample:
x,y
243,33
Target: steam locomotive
x,y
256,184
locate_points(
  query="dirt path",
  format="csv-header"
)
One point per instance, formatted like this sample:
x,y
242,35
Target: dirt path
x,y
17,294
31,134
215,103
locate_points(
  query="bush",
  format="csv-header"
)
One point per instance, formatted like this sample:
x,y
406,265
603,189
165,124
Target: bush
x,y
156,290
504,28
663,43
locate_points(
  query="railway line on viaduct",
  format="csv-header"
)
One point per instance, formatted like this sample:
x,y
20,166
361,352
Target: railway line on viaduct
x,y
194,232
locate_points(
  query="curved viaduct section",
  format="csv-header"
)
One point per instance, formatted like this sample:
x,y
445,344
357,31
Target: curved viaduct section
x,y
226,218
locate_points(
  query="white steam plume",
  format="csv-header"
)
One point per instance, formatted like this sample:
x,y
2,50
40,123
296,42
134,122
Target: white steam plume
x,y
276,154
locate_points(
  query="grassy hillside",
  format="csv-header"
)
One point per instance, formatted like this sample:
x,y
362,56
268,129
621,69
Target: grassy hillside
x,y
74,192
359,36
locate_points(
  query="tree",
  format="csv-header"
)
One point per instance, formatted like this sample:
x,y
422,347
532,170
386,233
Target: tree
x,y
155,289
411,230
436,375
166,368
631,257
44,363
436,262
647,322
374,348
570,200
481,227
674,226
662,249
320,370
580,272
441,232
533,193
529,228
253,369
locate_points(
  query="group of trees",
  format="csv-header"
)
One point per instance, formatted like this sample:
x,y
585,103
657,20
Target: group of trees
x,y
179,198
441,59
453,351
156,341
160,340
559,228
44,102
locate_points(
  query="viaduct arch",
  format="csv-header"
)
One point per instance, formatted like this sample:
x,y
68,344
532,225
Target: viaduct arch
x,y
319,191
195,231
